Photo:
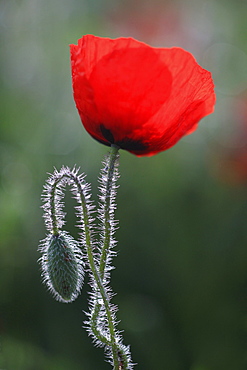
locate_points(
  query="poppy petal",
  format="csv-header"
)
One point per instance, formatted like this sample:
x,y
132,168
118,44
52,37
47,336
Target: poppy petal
x,y
140,98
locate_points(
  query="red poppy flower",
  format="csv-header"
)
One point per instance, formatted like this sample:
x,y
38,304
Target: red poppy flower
x,y
139,98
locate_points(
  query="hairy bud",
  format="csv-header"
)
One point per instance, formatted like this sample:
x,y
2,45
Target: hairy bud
x,y
62,266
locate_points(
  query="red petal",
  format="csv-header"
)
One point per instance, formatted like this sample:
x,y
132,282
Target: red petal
x,y
141,98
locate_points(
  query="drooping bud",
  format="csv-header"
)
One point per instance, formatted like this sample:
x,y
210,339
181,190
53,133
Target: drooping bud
x,y
62,266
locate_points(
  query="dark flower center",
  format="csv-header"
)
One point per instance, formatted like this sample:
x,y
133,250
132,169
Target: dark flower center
x,y
126,144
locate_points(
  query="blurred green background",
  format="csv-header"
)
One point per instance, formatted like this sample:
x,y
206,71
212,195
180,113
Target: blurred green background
x,y
181,273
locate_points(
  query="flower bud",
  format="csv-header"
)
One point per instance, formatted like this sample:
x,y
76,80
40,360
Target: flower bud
x,y
62,265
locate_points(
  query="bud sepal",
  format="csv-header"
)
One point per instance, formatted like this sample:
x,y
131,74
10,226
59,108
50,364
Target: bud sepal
x,y
62,266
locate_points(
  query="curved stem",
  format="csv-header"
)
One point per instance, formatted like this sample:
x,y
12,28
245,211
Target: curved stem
x,y
94,325
98,275
99,268
55,228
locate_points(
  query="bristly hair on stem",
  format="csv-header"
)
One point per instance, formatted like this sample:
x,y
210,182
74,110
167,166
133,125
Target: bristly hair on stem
x,y
63,259
102,321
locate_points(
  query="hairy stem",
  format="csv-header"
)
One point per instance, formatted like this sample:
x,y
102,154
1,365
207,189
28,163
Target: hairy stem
x,y
113,157
102,322
98,276
55,227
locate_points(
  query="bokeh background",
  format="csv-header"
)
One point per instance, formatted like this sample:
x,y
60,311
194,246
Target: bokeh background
x,y
181,273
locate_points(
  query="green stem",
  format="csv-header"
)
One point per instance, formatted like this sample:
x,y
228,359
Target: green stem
x,y
97,276
55,228
107,226
120,361
105,300
94,325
